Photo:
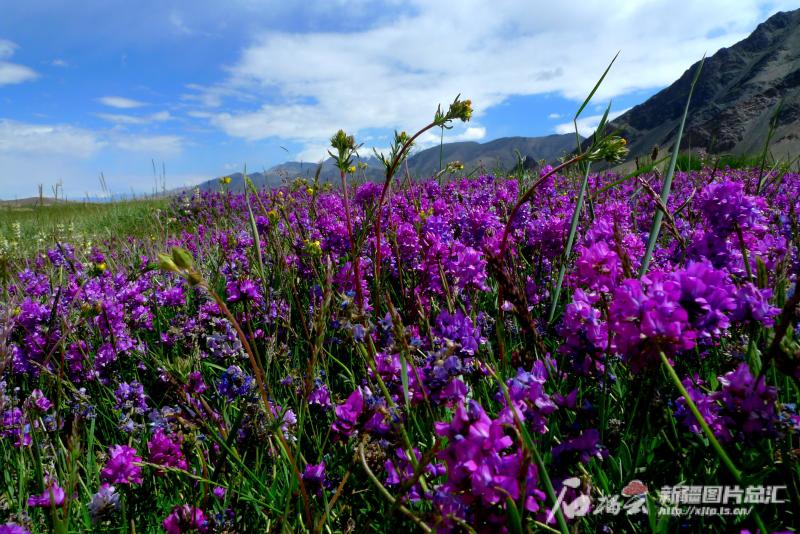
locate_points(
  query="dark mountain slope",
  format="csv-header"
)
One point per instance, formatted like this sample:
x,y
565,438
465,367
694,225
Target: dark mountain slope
x,y
736,95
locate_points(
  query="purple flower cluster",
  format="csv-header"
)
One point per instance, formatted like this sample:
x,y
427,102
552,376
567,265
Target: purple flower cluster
x,y
483,468
743,408
122,466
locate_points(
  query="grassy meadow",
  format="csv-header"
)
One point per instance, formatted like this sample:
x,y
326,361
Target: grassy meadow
x,y
557,350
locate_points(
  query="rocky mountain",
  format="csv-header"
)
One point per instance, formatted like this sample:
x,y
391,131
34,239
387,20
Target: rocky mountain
x,y
736,96
493,156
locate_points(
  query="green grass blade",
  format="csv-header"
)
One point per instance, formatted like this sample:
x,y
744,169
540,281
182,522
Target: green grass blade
x,y
573,229
667,184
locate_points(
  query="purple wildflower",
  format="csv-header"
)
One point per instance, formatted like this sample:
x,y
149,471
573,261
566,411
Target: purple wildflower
x,y
646,317
121,467
166,451
482,467
13,528
185,518
314,477
598,267
235,383
53,495
348,413
104,503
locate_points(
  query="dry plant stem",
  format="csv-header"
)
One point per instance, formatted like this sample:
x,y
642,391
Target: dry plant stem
x,y
389,174
355,252
332,502
425,528
258,372
527,196
673,229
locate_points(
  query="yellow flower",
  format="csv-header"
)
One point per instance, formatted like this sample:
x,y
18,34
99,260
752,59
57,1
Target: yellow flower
x,y
310,190
351,169
225,179
314,248
102,266
272,215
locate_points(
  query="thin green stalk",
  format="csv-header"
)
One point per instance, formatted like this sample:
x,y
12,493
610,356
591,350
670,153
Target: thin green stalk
x,y
715,444
573,229
667,184
388,496
701,420
773,124
531,446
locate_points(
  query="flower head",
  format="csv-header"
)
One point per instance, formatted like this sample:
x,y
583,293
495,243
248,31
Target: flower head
x,y
121,467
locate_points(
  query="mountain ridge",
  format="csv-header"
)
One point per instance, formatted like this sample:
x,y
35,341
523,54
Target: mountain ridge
x,y
737,93
498,154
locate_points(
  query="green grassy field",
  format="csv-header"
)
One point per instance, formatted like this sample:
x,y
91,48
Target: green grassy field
x,y
25,229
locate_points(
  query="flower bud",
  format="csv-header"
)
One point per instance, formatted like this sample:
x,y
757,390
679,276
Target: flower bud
x,y
165,263
182,258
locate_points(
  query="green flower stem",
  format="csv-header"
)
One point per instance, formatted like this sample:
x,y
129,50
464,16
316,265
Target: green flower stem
x,y
527,441
737,474
425,528
573,229
370,360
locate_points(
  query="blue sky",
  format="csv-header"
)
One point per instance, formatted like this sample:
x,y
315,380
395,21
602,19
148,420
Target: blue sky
x,y
206,87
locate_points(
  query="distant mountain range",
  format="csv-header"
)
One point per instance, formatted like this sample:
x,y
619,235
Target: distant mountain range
x,y
498,155
737,94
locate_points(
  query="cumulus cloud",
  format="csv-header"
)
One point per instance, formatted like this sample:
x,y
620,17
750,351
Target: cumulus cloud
x,y
586,125
393,74
155,145
116,118
20,137
120,102
11,73
77,143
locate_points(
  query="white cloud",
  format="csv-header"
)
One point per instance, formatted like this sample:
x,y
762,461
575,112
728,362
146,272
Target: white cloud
x,y
115,118
392,75
11,73
6,49
155,145
120,102
554,116
177,22
18,137
586,125
59,63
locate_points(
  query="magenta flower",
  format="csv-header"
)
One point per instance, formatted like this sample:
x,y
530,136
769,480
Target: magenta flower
x,y
598,267
53,495
185,518
347,414
483,467
314,477
646,317
585,334
37,401
13,528
166,451
121,467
